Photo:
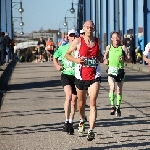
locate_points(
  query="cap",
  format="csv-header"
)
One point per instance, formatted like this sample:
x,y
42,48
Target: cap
x,y
81,31
73,31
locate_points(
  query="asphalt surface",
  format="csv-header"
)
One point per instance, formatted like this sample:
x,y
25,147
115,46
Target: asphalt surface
x,y
32,114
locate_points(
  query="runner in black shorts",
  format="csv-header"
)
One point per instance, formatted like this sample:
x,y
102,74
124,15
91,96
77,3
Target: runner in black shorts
x,y
67,79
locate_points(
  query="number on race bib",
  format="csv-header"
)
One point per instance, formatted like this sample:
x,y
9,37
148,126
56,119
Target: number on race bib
x,y
113,70
90,62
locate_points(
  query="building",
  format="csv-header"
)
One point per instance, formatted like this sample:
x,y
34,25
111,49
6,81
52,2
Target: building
x,y
35,35
53,34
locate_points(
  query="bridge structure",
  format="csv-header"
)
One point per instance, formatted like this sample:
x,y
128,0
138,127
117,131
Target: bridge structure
x,y
98,12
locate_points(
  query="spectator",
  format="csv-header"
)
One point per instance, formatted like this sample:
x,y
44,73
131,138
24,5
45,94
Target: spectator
x,y
15,51
18,54
132,50
8,44
141,46
126,41
2,47
64,40
41,46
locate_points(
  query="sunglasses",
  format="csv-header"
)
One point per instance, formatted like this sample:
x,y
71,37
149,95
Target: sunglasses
x,y
82,33
72,35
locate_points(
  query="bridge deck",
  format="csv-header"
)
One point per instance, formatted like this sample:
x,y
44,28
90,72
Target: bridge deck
x,y
32,114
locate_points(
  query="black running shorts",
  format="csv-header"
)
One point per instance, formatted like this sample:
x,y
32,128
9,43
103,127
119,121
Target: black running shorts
x,y
120,77
69,80
84,84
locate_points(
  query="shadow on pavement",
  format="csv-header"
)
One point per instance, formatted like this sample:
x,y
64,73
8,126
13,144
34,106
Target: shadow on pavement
x,y
31,112
131,78
127,145
5,80
42,84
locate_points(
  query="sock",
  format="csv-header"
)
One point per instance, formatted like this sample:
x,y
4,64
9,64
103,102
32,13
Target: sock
x,y
119,99
82,120
70,121
67,120
111,97
90,130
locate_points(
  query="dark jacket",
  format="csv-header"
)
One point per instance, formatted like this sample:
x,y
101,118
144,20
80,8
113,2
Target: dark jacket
x,y
7,40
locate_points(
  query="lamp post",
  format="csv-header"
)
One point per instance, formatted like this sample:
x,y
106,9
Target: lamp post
x,y
66,21
22,33
59,32
21,10
21,22
72,10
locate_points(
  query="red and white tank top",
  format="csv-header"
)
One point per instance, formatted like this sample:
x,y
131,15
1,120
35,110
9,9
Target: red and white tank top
x,y
91,68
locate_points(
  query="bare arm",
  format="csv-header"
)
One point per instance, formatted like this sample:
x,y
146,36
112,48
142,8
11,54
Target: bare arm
x,y
126,52
72,48
56,64
106,52
106,55
145,58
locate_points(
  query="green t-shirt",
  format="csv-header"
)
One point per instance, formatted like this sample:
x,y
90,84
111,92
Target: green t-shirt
x,y
68,66
114,60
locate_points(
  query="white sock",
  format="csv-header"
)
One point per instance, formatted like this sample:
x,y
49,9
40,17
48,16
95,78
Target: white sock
x,y
82,120
70,121
67,120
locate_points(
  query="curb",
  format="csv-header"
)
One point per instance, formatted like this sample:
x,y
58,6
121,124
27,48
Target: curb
x,y
5,71
139,68
3,81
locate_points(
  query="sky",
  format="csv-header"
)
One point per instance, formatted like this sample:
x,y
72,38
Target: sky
x,y
49,14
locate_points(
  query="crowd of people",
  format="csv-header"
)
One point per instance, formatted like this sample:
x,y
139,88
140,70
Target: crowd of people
x,y
44,47
8,50
80,57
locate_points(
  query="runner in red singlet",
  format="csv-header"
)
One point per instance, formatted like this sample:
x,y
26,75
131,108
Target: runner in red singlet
x,y
87,72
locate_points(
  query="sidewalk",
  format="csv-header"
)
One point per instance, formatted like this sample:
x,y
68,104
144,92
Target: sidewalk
x,y
4,70
140,67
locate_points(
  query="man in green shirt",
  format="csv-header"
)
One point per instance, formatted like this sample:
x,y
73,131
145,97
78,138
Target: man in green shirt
x,y
67,69
114,57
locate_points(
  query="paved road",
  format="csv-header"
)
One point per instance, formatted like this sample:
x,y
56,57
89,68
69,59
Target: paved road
x,y
32,114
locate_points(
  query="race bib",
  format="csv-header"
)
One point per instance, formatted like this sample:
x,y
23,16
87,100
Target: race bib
x,y
68,65
90,62
113,70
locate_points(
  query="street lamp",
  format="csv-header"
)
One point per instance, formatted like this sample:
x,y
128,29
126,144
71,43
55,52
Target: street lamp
x,y
22,33
65,21
72,10
21,10
59,29
21,23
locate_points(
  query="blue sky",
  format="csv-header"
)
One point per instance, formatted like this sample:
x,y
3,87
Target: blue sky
x,y
48,14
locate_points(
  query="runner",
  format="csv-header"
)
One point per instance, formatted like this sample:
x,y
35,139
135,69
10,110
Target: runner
x,y
64,40
81,35
87,73
67,79
146,53
50,49
41,48
114,57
